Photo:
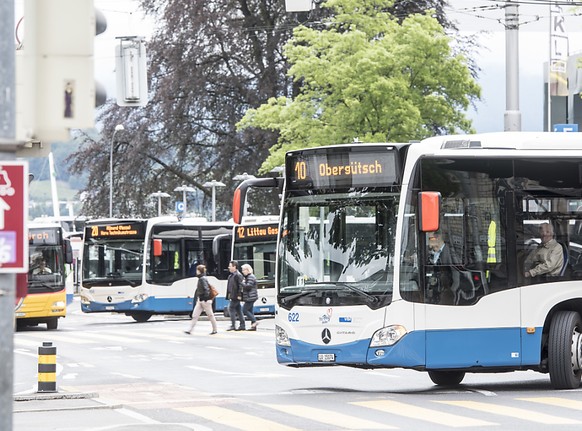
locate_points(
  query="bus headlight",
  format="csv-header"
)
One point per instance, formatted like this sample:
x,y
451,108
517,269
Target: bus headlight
x,y
388,336
139,298
85,300
58,304
281,337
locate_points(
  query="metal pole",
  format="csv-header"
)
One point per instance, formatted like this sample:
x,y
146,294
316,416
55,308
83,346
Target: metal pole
x,y
111,177
512,117
159,205
184,200
7,281
118,128
213,202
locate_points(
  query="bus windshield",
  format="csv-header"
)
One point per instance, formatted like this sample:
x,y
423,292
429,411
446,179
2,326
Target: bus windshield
x,y
113,259
337,248
45,274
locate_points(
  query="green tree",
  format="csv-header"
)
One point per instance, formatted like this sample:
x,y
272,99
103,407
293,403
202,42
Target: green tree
x,y
368,75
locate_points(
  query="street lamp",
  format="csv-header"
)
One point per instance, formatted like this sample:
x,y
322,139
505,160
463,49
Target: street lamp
x,y
214,184
159,195
118,128
184,189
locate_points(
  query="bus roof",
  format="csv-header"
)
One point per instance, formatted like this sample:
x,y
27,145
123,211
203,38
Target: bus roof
x,y
509,140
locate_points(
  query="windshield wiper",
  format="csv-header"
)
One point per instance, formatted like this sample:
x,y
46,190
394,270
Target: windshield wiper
x,y
292,298
360,292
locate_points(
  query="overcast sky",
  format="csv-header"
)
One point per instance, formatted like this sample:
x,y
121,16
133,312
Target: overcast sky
x,y
483,16
488,17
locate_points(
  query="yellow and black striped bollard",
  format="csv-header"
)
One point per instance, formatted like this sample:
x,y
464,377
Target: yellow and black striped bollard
x,y
47,367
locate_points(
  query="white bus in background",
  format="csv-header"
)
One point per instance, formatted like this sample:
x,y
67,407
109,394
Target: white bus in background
x,y
255,242
370,295
144,267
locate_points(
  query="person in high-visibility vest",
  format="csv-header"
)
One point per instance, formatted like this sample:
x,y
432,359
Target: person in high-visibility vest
x,y
491,240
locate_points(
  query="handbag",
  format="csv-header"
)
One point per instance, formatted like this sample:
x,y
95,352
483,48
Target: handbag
x,y
213,292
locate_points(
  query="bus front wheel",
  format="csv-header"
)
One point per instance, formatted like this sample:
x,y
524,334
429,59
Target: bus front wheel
x,y
52,324
565,350
446,378
141,317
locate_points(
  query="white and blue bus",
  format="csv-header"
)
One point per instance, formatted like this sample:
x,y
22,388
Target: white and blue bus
x,y
356,284
142,267
254,242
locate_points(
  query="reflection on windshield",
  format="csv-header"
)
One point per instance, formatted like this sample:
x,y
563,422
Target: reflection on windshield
x,y
113,259
338,241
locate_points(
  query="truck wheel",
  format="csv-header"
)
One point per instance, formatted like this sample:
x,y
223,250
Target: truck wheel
x,y
564,350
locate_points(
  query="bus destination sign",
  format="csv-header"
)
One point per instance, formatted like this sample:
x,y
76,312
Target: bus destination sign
x,y
257,232
125,230
45,236
341,169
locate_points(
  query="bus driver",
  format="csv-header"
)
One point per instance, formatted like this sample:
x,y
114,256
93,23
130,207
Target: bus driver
x,y
548,257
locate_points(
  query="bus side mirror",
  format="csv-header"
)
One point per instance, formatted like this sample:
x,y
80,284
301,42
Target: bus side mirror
x,y
68,252
429,209
157,247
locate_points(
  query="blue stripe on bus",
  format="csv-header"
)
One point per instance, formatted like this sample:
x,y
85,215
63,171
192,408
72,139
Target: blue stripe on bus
x,y
151,304
444,349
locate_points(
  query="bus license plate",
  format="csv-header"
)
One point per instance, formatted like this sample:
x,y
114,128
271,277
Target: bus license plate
x,y
326,357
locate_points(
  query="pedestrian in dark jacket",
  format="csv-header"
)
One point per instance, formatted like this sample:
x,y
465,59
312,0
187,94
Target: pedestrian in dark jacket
x,y
234,293
203,301
250,294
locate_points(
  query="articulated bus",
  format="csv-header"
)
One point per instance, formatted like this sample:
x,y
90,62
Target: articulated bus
x,y
254,242
142,267
357,284
49,276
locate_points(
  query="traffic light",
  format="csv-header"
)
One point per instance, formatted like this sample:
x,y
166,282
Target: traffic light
x,y
56,89
131,71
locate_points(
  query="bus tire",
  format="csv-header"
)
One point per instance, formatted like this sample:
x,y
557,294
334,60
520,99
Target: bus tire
x,y
141,317
446,378
564,345
52,324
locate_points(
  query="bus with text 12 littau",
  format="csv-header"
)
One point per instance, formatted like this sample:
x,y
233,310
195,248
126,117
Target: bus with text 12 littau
x,y
357,284
254,243
146,267
49,276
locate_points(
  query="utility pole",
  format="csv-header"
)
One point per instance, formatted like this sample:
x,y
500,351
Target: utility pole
x,y
512,117
7,143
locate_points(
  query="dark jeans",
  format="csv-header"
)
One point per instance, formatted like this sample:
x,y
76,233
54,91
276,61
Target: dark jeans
x,y
235,308
248,310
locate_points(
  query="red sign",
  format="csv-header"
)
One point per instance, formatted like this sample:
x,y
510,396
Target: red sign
x,y
13,216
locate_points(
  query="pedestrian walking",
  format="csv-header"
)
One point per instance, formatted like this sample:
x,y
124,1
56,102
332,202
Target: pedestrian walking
x,y
250,294
203,301
234,291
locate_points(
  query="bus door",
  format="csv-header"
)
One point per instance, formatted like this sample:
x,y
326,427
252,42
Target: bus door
x,y
472,315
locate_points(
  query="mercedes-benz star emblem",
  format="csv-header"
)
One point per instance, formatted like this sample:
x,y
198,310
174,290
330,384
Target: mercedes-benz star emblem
x,y
109,299
326,336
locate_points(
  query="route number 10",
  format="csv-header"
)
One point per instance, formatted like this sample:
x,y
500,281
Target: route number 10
x,y
301,170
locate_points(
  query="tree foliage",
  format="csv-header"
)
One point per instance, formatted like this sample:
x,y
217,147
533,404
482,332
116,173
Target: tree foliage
x,y
210,61
368,75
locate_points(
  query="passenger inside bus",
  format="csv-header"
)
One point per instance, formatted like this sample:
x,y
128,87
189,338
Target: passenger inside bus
x,y
547,258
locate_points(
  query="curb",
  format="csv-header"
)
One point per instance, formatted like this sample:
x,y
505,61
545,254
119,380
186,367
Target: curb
x,y
56,396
